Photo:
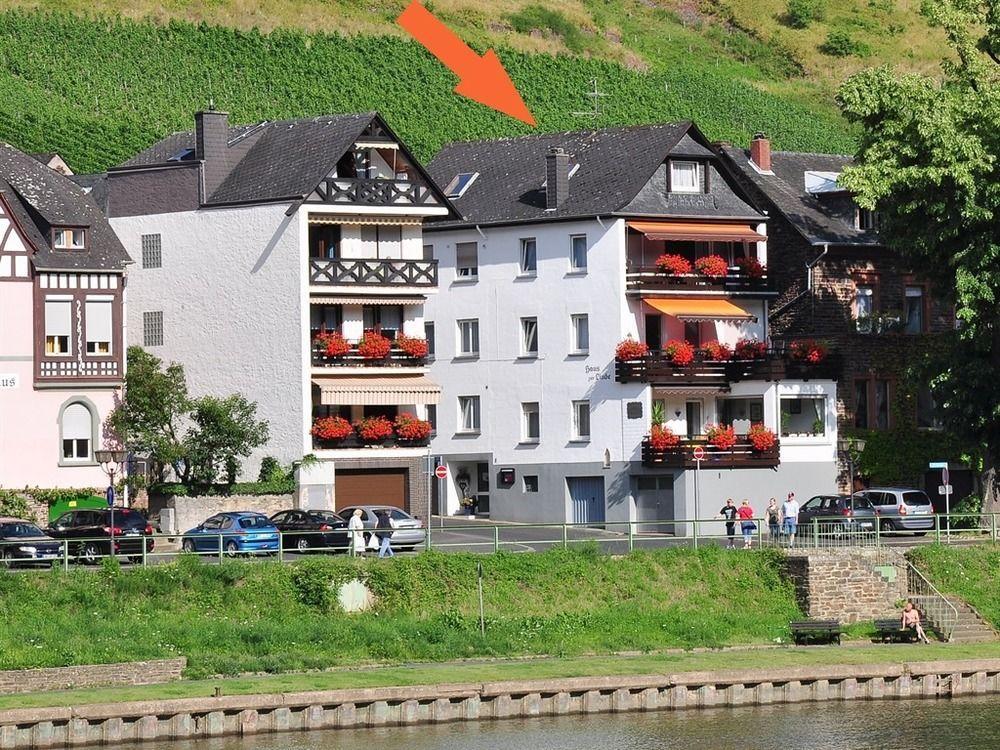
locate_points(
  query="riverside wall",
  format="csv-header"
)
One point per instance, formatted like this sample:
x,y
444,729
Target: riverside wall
x,y
108,724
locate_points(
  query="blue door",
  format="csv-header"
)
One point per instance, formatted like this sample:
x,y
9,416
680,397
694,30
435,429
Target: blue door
x,y
586,496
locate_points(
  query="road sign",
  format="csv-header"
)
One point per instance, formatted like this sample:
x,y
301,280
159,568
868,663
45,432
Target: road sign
x,y
699,453
945,489
938,465
441,472
944,475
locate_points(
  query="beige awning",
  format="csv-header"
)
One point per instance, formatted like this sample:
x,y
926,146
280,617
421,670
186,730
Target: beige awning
x,y
407,221
372,300
377,391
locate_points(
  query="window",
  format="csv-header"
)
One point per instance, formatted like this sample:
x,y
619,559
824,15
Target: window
x,y
77,427
685,177
468,338
428,252
529,337
803,416
868,220
871,403
152,328
327,318
530,427
468,414
530,482
578,252
861,404
58,325
581,334
881,405
432,417
864,301
68,239
928,414
581,420
529,258
152,251
914,310
386,319
429,336
98,320
382,242
461,182
467,260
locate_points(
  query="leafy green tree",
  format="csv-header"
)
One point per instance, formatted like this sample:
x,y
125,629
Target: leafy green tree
x,y
223,430
929,161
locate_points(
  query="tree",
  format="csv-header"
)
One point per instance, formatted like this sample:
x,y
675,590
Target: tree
x,y
929,162
224,429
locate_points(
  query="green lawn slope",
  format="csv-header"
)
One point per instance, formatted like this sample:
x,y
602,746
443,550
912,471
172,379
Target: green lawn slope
x,y
248,617
969,573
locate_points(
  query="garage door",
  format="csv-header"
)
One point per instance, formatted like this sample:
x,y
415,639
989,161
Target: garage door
x,y
371,487
654,502
586,496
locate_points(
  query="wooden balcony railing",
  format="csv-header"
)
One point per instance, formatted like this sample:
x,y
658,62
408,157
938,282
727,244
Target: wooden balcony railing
x,y
396,358
650,278
373,272
375,192
657,370
740,456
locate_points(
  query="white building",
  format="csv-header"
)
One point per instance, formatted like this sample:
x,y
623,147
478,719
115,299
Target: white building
x,y
254,240
553,265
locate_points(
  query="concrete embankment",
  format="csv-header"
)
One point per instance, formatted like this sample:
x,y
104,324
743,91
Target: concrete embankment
x,y
251,714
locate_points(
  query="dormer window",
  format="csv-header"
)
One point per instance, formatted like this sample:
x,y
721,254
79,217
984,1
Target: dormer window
x,y
69,239
868,220
686,176
461,182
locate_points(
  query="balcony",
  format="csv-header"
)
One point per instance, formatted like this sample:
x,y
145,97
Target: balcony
x,y
740,456
374,192
373,272
658,370
646,279
356,443
396,358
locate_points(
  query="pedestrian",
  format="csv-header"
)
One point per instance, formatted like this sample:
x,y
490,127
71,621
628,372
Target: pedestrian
x,y
729,513
773,514
910,620
790,517
383,530
356,528
747,525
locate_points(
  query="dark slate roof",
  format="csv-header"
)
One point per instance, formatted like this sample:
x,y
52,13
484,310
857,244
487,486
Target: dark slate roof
x,y
42,198
272,160
615,165
826,218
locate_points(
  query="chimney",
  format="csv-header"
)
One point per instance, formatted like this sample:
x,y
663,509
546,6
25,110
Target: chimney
x,y
556,177
211,129
760,152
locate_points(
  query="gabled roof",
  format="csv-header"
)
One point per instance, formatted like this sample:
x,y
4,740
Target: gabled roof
x,y
820,218
614,166
41,198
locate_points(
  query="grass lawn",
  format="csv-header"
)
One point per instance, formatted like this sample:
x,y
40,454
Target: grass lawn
x,y
490,671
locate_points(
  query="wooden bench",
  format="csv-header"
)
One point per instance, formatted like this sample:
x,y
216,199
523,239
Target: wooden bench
x,y
889,631
815,631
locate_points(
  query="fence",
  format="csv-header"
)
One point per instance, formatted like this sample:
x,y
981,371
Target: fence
x,y
456,535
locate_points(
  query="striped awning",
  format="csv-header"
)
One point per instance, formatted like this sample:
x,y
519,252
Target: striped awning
x,y
372,300
699,310
377,391
396,221
696,231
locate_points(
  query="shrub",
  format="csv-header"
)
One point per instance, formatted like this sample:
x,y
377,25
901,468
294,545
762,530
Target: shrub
x,y
673,265
270,470
752,267
663,438
801,13
332,428
809,350
750,349
333,344
630,349
716,351
722,437
374,429
538,17
412,347
761,438
714,266
679,352
408,427
840,43
374,345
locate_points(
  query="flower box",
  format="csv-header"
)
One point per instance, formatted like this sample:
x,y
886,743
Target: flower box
x,y
412,347
409,428
761,438
630,349
673,265
714,266
374,345
809,351
750,349
332,429
751,267
374,429
679,352
332,344
716,351
722,437
662,438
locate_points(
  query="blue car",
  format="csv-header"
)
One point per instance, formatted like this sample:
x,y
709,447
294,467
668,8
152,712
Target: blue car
x,y
240,532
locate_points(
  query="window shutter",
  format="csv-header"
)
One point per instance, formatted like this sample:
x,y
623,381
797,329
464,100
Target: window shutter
x,y
77,423
58,318
98,321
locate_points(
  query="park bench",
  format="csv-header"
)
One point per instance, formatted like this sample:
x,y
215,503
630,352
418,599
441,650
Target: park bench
x,y
888,630
815,631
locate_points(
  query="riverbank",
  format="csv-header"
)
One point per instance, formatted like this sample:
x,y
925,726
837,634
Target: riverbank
x,y
209,716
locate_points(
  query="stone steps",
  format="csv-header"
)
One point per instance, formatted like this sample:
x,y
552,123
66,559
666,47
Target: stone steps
x,y
970,626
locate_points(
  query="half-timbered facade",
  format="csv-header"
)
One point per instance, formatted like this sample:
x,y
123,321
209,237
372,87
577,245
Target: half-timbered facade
x,y
62,301
285,261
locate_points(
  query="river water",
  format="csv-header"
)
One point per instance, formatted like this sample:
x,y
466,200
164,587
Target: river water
x,y
960,724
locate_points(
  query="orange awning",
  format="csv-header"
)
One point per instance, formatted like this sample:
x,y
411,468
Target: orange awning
x,y
691,231
698,310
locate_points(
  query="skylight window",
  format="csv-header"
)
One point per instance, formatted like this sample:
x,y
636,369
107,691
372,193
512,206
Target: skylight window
x,y
181,155
462,182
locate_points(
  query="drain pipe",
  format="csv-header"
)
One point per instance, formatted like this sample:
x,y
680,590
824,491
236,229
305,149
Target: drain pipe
x,y
809,285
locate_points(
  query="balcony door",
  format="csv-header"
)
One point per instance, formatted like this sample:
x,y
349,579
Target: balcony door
x,y
654,332
694,418
324,241
386,319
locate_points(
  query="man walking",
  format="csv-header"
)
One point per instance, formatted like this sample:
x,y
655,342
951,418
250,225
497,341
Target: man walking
x,y
383,530
790,517
729,513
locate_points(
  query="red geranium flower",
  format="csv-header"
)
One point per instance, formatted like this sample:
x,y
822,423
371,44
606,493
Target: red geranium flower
x,y
374,345
332,428
716,351
761,438
630,349
673,265
679,352
809,351
662,438
750,349
712,265
374,429
408,427
722,437
412,347
752,267
333,344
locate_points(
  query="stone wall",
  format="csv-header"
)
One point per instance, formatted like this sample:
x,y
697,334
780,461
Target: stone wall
x,y
91,675
183,513
849,585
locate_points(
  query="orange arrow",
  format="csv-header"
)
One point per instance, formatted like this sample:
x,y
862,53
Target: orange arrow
x,y
482,79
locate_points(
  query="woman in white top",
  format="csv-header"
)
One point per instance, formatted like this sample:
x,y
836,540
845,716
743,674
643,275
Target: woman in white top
x,y
355,528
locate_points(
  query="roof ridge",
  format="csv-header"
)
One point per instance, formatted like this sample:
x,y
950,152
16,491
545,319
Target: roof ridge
x,y
565,133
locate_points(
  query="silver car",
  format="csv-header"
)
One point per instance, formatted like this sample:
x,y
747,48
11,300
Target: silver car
x,y
901,508
409,530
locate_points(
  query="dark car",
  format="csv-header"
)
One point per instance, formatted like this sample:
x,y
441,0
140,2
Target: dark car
x,y
236,532
837,513
88,533
303,530
23,543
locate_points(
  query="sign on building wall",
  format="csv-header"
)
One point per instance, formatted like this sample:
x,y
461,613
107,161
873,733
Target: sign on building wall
x,y
8,381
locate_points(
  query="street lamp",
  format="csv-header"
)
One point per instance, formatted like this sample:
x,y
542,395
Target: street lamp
x,y
111,464
846,446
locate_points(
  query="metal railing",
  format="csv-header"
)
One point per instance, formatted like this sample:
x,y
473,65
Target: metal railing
x,y
939,613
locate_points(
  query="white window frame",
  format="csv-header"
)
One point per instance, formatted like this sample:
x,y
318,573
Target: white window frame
x,y
55,338
466,273
529,252
866,220
529,408
864,291
578,435
529,331
574,322
470,406
473,326
69,238
914,291
524,483
88,439
699,181
93,346
574,267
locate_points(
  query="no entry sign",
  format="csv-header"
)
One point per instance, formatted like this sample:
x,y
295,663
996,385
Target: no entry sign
x,y
441,472
699,453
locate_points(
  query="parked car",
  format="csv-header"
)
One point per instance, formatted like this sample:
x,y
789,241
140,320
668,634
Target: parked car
x,y
317,529
88,533
23,543
240,532
845,512
901,508
409,530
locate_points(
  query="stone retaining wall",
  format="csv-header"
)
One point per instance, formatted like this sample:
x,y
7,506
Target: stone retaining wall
x,y
91,675
252,714
183,513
